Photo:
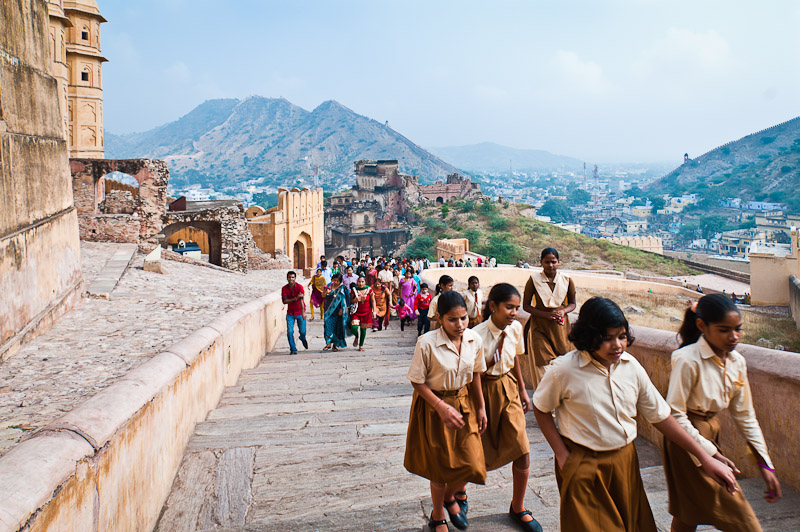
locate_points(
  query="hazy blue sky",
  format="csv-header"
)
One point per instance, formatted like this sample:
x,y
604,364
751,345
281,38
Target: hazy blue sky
x,y
621,80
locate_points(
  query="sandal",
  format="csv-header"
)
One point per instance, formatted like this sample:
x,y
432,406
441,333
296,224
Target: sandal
x,y
432,524
327,347
458,519
334,348
529,526
462,502
361,348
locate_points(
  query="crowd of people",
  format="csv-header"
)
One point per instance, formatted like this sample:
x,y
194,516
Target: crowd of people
x,y
470,397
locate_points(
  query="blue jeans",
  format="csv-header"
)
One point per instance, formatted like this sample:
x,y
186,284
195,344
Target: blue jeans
x,y
301,328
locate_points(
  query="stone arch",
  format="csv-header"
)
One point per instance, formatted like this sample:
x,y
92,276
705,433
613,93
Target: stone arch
x,y
439,200
211,228
302,250
118,192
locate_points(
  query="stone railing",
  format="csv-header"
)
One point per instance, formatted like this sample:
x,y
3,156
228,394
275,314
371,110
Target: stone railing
x,y
109,464
794,299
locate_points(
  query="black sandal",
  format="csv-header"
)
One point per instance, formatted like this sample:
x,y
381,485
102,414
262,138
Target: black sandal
x,y
462,502
459,519
432,524
529,526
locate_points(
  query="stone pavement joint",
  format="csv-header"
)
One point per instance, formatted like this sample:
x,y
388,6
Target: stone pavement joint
x,y
315,442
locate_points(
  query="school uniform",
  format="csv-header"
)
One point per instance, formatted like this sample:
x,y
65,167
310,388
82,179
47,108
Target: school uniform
x,y
546,338
434,451
474,302
432,310
700,386
505,438
600,483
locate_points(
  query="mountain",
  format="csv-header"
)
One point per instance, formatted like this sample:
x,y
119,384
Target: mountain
x,y
763,166
272,141
490,157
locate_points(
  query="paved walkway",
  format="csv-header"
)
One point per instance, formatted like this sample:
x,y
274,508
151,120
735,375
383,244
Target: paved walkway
x,y
315,442
95,344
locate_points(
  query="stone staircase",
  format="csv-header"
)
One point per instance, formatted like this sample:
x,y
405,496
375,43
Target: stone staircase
x,y
315,442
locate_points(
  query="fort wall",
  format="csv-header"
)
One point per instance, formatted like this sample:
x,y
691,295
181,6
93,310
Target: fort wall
x,y
40,268
109,464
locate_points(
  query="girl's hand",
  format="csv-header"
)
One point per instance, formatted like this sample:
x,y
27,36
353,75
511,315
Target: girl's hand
x,y
451,417
721,474
561,458
340,312
773,491
727,461
483,421
525,400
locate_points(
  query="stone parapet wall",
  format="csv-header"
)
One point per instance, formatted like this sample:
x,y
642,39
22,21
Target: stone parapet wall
x,y
109,464
794,299
109,228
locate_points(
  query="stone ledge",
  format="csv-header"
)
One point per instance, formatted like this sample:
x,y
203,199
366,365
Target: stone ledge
x,y
193,345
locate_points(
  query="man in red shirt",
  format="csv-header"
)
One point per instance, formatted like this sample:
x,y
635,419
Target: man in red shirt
x,y
292,295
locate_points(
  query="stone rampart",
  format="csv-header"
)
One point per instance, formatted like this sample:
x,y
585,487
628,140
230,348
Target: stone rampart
x,y
109,464
794,299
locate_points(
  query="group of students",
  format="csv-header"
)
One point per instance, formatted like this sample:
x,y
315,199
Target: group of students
x,y
468,409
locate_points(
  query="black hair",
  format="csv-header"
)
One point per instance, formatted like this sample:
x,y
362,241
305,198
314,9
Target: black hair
x,y
500,293
444,279
450,300
423,285
712,308
291,272
337,276
352,285
597,315
471,277
323,263
549,251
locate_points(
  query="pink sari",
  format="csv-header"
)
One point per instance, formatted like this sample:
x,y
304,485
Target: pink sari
x,y
408,291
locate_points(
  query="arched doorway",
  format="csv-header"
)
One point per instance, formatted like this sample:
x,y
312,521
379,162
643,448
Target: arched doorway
x,y
299,254
302,251
212,230
439,200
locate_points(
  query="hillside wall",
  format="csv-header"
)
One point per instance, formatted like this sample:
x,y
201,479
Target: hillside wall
x,y
108,465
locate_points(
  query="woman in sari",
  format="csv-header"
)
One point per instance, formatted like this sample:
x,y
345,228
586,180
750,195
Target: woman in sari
x,y
336,315
317,286
408,292
383,299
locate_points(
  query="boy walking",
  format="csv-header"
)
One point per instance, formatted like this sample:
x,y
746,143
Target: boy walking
x,y
292,295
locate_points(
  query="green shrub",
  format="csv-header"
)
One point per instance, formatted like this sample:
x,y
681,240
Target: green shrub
x,y
768,140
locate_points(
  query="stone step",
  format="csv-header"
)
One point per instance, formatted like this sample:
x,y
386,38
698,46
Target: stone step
x,y
108,278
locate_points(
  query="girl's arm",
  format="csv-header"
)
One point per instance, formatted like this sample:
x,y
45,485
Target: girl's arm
x,y
719,472
548,428
570,302
523,393
451,417
477,397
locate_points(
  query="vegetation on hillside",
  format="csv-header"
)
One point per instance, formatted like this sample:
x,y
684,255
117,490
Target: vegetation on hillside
x,y
499,230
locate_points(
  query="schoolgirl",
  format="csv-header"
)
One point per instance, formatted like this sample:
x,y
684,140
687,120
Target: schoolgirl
x,y
597,391
548,297
505,439
317,286
474,298
364,315
708,376
447,411
445,285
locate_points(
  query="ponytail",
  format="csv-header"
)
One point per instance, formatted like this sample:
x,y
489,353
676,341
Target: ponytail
x,y
443,280
711,309
500,293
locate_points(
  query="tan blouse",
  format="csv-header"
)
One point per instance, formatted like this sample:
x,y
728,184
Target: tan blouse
x,y
702,383
596,407
472,306
437,363
513,345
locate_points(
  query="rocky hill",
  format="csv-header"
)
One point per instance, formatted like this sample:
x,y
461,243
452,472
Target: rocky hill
x,y
490,157
270,140
763,166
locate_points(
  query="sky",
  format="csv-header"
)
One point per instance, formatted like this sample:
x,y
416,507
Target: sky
x,y
600,80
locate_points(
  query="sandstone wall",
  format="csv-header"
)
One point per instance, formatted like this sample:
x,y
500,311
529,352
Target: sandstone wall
x,y
40,275
108,465
794,298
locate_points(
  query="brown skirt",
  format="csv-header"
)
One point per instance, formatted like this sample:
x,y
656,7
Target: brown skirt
x,y
505,438
440,454
694,498
602,491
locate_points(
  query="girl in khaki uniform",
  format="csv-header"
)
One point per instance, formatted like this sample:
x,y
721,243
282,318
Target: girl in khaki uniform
x,y
445,285
597,391
507,401
447,411
709,376
549,297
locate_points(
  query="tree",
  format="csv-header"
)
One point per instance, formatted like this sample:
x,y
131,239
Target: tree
x,y
422,246
688,231
578,196
635,191
710,225
658,203
558,210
